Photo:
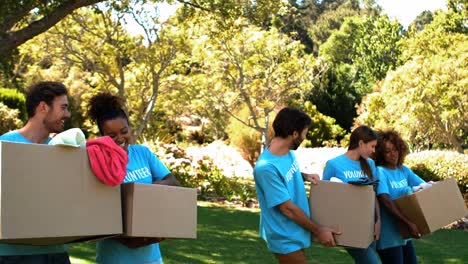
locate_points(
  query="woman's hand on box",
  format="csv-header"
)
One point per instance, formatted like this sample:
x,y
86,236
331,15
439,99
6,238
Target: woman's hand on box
x,y
312,177
414,231
377,228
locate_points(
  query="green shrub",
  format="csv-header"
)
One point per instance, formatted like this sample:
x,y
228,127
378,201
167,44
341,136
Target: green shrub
x,y
9,119
203,175
435,165
161,127
14,100
246,139
324,131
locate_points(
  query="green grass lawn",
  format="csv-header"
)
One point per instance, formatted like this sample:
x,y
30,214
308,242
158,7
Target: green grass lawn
x,y
229,235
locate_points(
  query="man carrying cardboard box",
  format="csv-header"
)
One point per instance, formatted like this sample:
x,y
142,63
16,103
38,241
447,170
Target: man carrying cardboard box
x,y
285,221
47,107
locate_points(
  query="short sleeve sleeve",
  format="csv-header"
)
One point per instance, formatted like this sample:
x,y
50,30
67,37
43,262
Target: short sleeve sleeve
x,y
157,168
328,172
275,191
375,173
413,179
382,188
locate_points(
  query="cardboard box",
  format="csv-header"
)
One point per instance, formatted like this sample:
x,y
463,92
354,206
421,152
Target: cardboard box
x,y
433,208
346,208
49,195
152,210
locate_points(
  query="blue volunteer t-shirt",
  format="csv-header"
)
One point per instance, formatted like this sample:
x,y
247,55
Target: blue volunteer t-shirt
x,y
278,179
346,169
143,167
393,182
9,249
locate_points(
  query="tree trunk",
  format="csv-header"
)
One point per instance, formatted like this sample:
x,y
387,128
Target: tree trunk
x,y
455,143
12,39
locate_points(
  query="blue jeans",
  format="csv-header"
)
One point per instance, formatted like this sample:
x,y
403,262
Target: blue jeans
x,y
405,254
53,258
364,255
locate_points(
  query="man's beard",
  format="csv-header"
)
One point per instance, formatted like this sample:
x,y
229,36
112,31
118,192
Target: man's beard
x,y
53,126
295,144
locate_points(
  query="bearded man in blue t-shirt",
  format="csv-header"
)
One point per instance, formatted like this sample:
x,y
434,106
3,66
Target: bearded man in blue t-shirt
x,y
47,107
285,222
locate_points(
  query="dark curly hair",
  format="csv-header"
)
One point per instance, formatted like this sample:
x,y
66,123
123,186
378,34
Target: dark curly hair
x,y
43,91
105,106
394,138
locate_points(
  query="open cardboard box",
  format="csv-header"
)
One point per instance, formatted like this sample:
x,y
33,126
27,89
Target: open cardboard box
x,y
432,208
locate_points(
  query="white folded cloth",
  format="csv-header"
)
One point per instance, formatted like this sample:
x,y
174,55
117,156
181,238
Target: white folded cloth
x,y
423,186
335,179
72,137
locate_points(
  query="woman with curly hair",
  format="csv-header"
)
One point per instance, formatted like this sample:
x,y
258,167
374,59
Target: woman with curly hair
x,y
396,180
143,167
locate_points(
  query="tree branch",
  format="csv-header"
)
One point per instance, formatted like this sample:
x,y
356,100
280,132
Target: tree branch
x,y
194,4
12,40
14,17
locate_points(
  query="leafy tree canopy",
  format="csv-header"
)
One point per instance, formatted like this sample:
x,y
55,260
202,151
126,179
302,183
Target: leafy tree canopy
x,y
425,99
355,58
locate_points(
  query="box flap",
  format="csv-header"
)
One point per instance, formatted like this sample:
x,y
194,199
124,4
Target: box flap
x,y
410,207
347,208
127,206
442,204
55,240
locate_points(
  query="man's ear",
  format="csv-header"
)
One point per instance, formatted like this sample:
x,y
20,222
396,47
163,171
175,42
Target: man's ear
x,y
42,107
295,134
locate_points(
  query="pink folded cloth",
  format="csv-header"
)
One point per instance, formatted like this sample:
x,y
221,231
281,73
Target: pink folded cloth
x,y
108,161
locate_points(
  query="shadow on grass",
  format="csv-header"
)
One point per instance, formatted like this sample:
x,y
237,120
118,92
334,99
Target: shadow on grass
x,y
225,235
230,235
82,252
443,246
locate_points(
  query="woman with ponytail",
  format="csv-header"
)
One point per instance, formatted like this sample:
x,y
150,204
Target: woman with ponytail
x,y
143,167
355,165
